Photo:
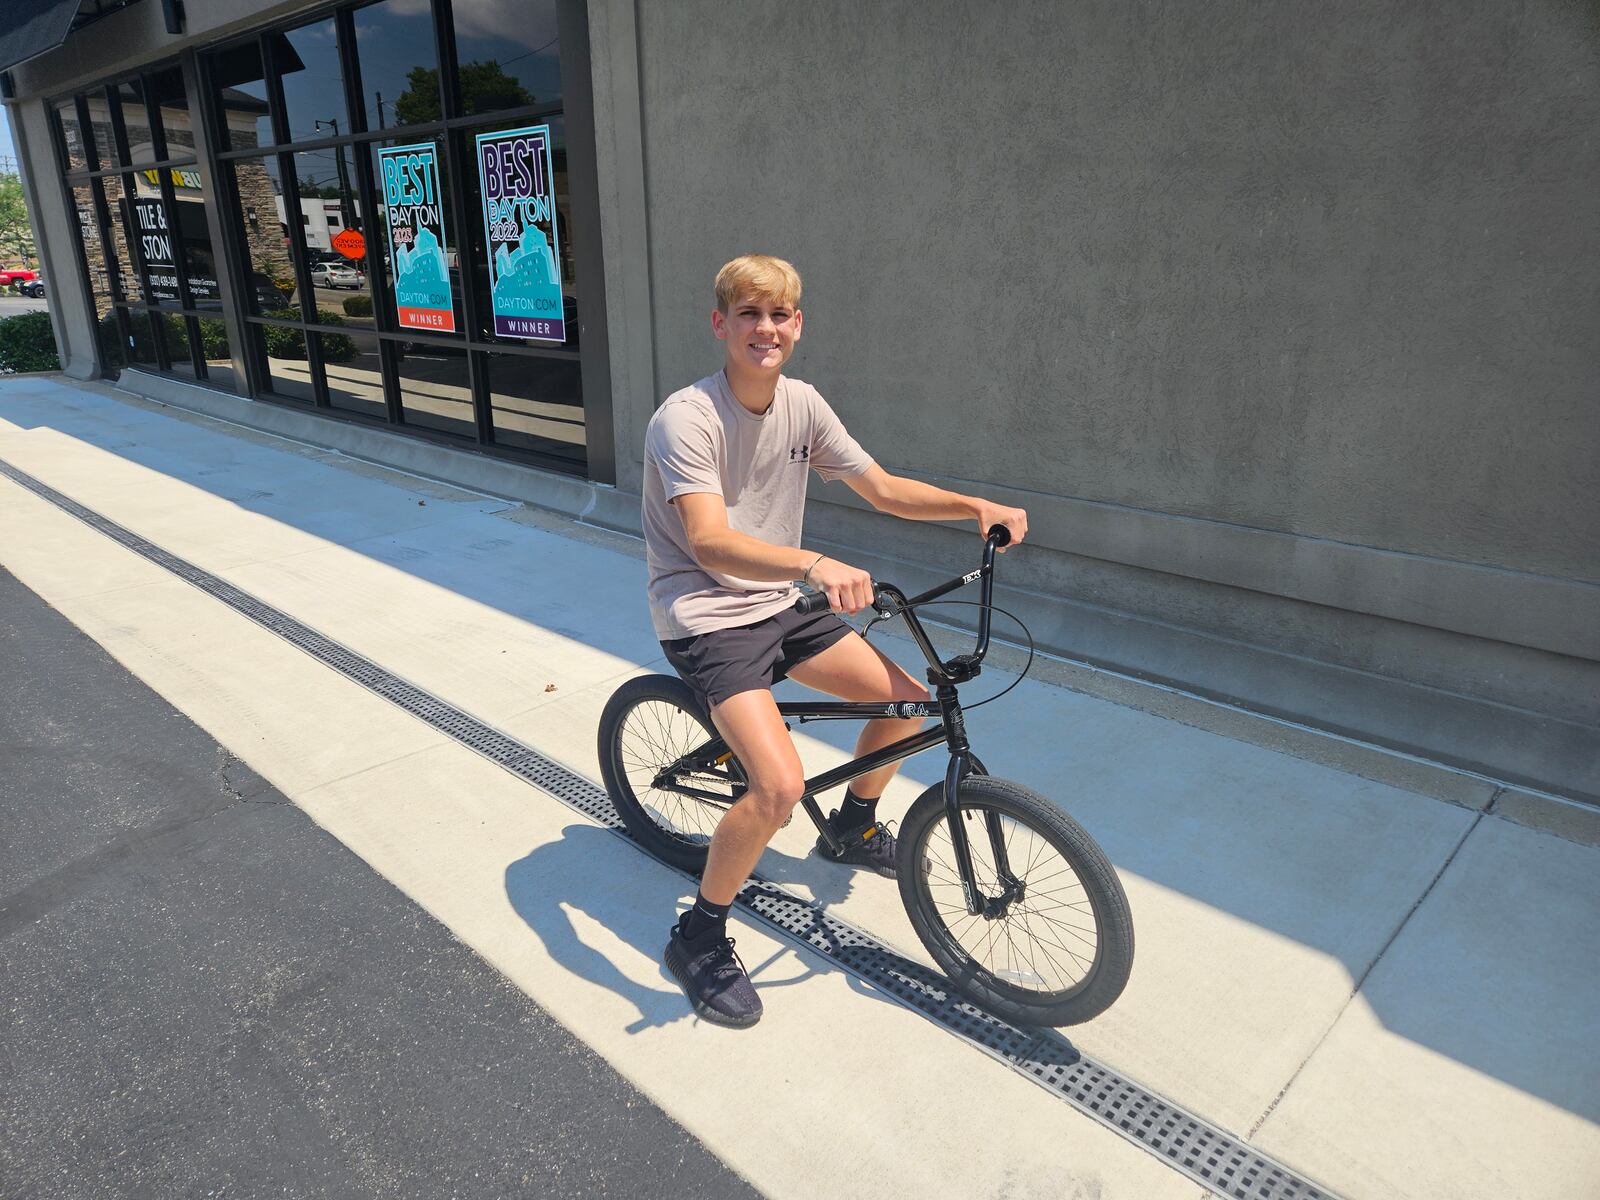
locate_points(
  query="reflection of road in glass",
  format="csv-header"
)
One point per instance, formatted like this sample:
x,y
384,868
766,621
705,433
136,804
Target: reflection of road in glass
x,y
333,299
433,387
11,305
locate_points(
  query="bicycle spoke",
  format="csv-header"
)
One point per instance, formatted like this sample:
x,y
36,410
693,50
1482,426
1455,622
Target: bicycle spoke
x,y
1033,944
654,735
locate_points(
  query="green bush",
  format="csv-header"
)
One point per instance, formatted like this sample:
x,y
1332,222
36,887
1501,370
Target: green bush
x,y
283,342
213,339
358,306
291,343
26,343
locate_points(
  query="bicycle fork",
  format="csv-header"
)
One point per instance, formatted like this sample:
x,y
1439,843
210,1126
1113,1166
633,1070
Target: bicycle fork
x,y
962,760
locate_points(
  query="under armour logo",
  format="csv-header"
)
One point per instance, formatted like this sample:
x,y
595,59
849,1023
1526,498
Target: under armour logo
x,y
800,454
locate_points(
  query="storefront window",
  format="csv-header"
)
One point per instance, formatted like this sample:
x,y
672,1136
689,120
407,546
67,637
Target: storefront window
x,y
141,348
434,392
141,139
307,60
72,138
241,96
127,278
172,102
94,254
176,329
355,382
368,290
399,64
270,286
330,209
214,348
197,257
106,113
284,351
535,404
509,53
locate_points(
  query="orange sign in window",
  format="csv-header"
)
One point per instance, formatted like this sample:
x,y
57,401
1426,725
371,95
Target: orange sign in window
x,y
350,244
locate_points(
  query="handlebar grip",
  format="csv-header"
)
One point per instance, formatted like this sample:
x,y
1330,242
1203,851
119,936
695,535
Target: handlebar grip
x,y
1000,534
814,603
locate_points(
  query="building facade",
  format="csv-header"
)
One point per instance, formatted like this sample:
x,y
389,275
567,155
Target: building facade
x,y
1281,323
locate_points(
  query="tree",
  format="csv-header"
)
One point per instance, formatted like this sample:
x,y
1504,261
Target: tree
x,y
484,87
16,231
311,188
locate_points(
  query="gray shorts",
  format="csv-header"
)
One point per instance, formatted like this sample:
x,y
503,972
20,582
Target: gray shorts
x,y
725,662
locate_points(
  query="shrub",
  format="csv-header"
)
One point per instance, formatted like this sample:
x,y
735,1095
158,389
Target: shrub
x,y
291,343
27,344
358,306
336,347
284,343
213,339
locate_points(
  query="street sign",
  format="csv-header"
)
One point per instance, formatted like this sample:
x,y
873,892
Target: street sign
x,y
350,244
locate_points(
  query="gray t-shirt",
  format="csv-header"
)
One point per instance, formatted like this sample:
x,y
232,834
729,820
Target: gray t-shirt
x,y
703,440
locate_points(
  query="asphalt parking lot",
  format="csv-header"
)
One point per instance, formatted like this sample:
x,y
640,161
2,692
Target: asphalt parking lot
x,y
11,304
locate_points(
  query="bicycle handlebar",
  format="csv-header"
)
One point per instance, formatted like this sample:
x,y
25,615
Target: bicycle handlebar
x,y
888,600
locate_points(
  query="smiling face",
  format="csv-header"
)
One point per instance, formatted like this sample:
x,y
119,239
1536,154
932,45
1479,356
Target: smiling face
x,y
759,334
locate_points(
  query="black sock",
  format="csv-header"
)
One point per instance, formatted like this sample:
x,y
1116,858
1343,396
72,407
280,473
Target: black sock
x,y
704,918
855,812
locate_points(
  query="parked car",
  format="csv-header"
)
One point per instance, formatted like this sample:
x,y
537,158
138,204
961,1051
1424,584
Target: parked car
x,y
11,276
33,288
335,275
268,296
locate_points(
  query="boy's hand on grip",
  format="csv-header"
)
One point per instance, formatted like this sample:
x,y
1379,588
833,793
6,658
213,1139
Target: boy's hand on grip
x,y
849,589
1014,519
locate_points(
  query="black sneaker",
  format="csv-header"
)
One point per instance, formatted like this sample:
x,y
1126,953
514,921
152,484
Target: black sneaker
x,y
870,845
713,978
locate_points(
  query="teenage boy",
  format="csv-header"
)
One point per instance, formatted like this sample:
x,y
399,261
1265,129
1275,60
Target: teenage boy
x,y
725,469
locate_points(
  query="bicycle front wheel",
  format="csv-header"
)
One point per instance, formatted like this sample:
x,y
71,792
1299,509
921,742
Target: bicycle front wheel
x,y
666,769
1053,944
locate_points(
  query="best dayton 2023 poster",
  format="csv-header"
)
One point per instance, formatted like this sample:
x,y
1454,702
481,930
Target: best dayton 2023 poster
x,y
422,292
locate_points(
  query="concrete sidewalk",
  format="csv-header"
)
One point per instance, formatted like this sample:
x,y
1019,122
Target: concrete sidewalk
x,y
1390,993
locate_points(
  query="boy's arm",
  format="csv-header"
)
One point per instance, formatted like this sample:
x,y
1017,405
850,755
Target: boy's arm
x,y
917,501
718,547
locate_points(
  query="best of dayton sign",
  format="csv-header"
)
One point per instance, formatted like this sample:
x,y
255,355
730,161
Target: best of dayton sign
x,y
522,241
421,271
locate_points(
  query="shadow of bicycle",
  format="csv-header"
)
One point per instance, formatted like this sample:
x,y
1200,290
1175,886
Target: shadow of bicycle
x,y
591,879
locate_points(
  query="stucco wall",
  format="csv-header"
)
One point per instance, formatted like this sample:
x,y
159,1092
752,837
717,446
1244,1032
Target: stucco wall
x,y
1282,318
1329,270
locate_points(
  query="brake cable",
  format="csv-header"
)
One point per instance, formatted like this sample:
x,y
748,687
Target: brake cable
x,y
1026,632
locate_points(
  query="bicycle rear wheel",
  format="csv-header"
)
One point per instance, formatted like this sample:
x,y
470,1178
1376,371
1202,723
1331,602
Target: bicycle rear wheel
x,y
654,737
1054,942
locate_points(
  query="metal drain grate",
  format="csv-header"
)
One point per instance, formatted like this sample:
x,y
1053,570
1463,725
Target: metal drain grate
x,y
1216,1159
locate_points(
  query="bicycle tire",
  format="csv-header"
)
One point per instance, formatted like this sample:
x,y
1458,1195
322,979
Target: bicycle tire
x,y
1030,937
649,723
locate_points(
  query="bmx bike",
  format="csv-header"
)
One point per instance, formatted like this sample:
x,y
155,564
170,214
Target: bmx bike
x,y
1011,897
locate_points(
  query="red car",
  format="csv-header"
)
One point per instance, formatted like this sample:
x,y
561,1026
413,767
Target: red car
x,y
11,276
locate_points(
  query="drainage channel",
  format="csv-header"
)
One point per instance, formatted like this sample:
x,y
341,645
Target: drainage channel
x,y
1212,1157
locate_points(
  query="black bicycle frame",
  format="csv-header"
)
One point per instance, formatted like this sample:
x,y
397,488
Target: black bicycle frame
x,y
951,730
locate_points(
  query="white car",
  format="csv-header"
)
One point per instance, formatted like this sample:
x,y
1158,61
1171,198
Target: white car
x,y
335,275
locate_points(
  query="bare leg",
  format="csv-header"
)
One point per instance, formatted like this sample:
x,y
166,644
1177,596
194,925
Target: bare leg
x,y
853,669
754,731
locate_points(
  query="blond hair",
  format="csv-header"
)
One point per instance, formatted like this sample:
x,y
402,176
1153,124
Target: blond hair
x,y
757,277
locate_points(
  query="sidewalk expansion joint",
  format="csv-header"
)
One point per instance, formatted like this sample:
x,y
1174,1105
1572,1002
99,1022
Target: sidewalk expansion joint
x,y
1220,1161
1355,990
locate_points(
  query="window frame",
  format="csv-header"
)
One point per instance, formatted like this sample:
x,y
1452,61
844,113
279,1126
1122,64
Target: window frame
x,y
215,158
